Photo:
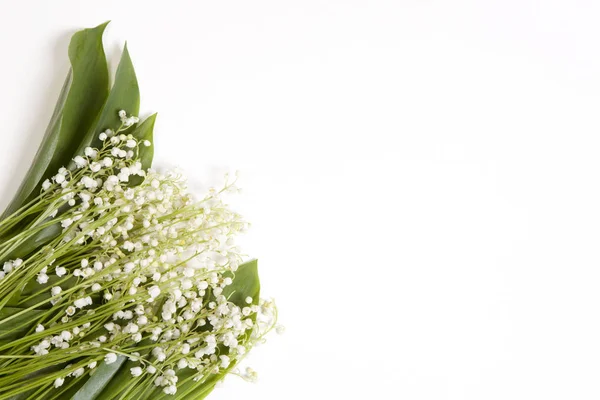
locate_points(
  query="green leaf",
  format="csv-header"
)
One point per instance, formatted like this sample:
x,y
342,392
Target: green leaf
x,y
36,241
245,284
36,293
124,380
19,325
120,382
144,131
97,382
192,390
35,375
28,246
81,99
124,95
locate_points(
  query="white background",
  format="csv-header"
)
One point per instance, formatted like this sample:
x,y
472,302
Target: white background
x,y
422,176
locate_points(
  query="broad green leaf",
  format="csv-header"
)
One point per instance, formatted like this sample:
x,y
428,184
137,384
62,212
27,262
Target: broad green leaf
x,y
190,390
35,241
194,390
124,95
245,284
33,293
19,325
124,380
101,378
31,244
144,131
34,375
81,99
110,381
120,383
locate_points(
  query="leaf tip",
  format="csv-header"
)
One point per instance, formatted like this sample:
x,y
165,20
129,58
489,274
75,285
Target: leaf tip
x,y
103,25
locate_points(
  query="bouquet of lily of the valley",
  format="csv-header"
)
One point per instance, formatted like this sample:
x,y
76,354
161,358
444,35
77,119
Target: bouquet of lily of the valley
x,y
116,282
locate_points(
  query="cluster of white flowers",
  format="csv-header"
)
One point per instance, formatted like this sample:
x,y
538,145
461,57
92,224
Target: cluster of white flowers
x,y
9,266
150,264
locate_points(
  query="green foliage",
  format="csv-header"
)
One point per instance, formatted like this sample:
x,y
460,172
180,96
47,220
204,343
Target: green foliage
x,y
83,94
86,108
19,325
144,131
245,284
124,95
101,379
